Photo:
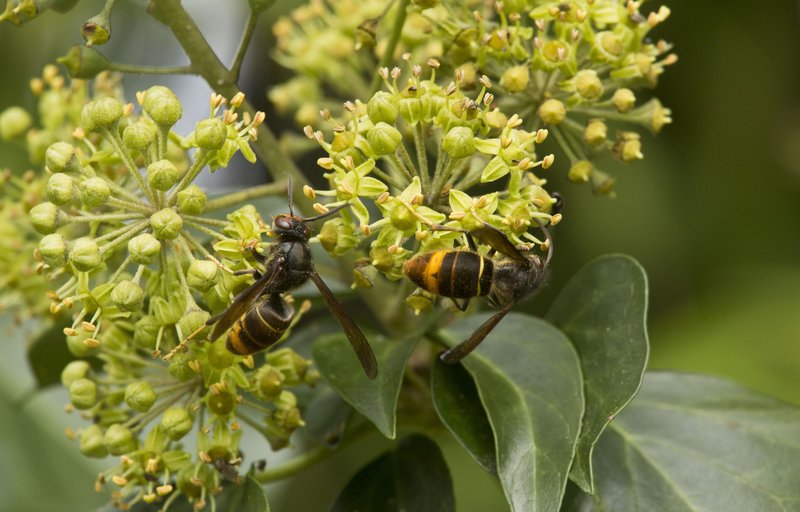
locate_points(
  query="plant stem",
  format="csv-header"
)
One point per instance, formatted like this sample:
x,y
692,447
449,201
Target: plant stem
x,y
388,54
236,67
315,455
268,189
151,70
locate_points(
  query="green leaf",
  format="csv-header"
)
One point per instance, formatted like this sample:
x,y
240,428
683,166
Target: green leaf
x,y
529,380
326,416
602,310
414,477
698,443
458,405
376,399
246,496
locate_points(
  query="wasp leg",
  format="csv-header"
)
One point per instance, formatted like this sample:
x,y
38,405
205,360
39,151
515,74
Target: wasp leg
x,y
461,307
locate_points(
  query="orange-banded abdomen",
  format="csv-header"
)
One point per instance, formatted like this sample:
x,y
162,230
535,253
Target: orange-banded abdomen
x,y
262,325
449,273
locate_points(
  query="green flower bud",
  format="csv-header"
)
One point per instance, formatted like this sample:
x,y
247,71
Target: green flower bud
x,y
596,132
45,218
73,371
602,183
659,115
144,248
94,191
162,175
290,364
53,249
140,396
85,255
337,236
580,172
119,440
191,200
167,224
60,157
383,108
101,113
83,393
192,321
14,122
459,142
623,99
162,106
77,347
628,147
145,332
37,142
515,78
84,62
127,296
210,133
222,403
60,189
179,368
202,275
92,442
176,422
138,136
588,85
383,138
552,111
219,356
96,30
268,383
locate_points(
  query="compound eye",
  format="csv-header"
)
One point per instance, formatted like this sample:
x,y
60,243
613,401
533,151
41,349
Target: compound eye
x,y
282,223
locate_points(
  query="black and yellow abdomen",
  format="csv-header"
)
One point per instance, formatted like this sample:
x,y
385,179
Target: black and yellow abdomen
x,y
261,326
449,273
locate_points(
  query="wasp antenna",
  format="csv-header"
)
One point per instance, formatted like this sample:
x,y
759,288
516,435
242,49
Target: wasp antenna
x,y
289,194
326,214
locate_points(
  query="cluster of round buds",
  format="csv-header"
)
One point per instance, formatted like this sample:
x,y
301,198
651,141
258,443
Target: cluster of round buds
x,y
572,67
336,46
141,267
380,155
59,103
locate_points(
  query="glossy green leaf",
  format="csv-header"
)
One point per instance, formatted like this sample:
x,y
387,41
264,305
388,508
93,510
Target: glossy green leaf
x,y
326,416
376,399
458,405
701,444
602,310
414,477
246,496
529,380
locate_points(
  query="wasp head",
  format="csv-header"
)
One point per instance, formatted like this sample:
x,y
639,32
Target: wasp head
x,y
285,225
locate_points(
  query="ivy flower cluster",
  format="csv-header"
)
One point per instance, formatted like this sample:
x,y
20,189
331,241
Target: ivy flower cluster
x,y
336,45
576,68
379,156
59,105
141,267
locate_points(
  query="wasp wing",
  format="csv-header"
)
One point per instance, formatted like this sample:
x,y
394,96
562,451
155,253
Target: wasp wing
x,y
495,239
242,302
357,339
463,349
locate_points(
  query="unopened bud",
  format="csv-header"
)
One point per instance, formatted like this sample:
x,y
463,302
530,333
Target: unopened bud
x,y
92,443
166,223
94,191
138,136
119,440
176,422
192,200
515,78
202,275
140,396
53,248
60,157
383,138
552,111
14,123
74,370
596,132
127,296
102,113
383,108
459,142
623,99
60,189
580,171
45,218
144,248
588,84
162,175
163,107
83,393
210,134
85,254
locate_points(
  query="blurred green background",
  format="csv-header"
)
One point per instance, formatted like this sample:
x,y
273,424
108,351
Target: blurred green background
x,y
712,213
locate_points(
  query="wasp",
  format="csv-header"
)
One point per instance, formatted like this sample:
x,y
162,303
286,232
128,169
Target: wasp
x,y
466,274
259,315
